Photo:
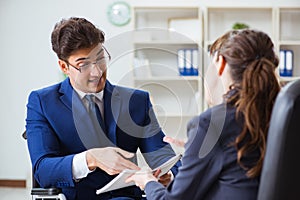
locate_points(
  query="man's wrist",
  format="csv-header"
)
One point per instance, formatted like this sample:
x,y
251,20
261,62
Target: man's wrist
x,y
79,166
90,161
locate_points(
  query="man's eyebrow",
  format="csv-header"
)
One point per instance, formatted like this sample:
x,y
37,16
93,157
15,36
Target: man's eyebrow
x,y
83,58
79,59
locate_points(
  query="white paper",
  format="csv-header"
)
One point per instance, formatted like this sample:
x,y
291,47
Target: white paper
x,y
119,181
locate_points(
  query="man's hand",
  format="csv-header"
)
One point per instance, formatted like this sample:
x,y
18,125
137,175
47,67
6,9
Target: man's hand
x,y
112,160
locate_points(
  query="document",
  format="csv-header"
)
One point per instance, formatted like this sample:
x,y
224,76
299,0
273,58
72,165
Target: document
x,y
119,181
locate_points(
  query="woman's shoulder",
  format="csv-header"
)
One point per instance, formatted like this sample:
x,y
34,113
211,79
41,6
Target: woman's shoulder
x,y
214,114
218,121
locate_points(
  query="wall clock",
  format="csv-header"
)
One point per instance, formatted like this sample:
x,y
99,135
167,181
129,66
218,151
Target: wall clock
x,y
119,13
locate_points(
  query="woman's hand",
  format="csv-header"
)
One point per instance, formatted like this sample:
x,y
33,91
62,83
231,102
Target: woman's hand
x,y
141,178
165,179
170,140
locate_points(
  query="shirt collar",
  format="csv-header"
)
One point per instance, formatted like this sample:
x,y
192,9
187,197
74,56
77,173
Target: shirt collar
x,y
81,94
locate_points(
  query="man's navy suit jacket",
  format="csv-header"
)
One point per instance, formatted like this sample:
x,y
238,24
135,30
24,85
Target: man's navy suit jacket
x,y
58,127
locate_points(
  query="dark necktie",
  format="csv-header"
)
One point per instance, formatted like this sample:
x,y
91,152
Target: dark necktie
x,y
94,111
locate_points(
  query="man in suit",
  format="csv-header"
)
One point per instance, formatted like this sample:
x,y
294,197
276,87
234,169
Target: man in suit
x,y
83,131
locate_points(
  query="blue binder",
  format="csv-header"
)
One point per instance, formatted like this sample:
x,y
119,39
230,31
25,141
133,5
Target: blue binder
x,y
187,60
286,63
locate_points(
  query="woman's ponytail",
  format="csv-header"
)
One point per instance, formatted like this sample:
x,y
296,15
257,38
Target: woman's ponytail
x,y
252,62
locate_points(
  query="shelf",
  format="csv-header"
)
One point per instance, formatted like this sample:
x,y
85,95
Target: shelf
x,y
289,38
166,42
160,16
289,24
173,98
155,60
158,36
289,42
165,9
168,78
168,19
288,79
156,46
281,24
295,48
218,20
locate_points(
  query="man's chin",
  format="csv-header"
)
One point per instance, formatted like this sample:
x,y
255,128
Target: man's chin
x,y
97,88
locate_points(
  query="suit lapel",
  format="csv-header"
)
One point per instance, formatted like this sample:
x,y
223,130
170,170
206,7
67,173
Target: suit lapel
x,y
66,92
112,104
90,135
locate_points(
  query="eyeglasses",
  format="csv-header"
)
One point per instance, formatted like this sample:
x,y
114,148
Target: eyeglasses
x,y
100,63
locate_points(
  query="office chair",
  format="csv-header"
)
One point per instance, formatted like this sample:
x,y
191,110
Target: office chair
x,y
39,193
281,171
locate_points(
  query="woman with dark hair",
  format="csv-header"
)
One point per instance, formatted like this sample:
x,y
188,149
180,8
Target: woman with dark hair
x,y
226,144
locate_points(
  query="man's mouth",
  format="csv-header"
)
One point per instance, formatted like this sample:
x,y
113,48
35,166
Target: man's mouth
x,y
95,80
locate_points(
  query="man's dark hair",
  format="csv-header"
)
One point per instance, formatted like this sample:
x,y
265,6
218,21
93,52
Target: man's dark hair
x,y
72,34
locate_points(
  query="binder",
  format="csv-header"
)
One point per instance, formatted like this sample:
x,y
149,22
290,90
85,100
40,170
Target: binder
x,y
286,63
181,61
188,62
281,62
195,62
289,62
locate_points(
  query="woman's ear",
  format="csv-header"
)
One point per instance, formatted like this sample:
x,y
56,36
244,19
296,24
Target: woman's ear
x,y
221,63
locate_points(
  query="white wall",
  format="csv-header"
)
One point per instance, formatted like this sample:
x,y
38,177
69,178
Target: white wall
x,y
27,61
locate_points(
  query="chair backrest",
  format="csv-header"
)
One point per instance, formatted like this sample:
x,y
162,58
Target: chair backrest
x,y
38,193
35,184
24,135
281,169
